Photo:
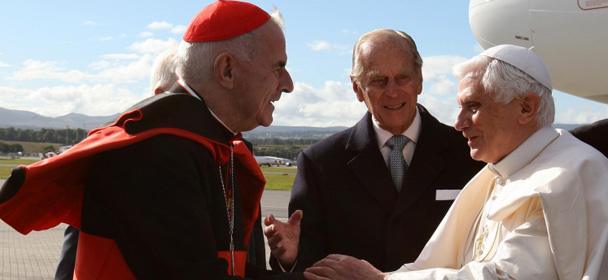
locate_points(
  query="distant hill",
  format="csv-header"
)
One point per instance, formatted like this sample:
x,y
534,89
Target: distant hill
x,y
25,119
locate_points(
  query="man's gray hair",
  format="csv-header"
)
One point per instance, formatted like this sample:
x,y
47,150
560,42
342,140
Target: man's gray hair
x,y
163,71
357,69
506,82
194,61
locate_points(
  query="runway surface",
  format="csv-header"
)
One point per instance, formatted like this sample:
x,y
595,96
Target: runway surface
x,y
35,256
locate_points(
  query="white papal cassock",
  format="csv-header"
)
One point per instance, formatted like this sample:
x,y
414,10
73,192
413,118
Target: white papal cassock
x,y
540,213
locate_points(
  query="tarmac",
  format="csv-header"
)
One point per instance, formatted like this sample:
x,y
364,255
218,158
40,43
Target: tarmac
x,y
35,255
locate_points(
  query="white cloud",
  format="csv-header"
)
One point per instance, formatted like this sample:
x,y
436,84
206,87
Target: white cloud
x,y
116,68
440,87
122,68
101,64
320,46
444,87
4,65
146,34
159,25
334,104
442,108
581,115
440,66
163,25
325,46
47,70
104,87
178,29
153,46
113,60
135,71
96,100
89,23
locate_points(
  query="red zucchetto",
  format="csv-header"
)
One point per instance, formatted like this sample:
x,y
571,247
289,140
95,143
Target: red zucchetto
x,y
223,20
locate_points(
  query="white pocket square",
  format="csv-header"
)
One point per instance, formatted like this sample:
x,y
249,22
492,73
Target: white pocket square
x,y
446,194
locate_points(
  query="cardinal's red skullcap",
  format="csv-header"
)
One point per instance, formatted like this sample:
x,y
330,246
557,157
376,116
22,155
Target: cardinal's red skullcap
x,y
223,20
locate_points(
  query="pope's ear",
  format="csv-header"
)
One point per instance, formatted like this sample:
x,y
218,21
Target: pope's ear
x,y
357,88
529,106
223,70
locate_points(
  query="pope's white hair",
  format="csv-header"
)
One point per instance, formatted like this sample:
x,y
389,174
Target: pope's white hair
x,y
506,82
163,71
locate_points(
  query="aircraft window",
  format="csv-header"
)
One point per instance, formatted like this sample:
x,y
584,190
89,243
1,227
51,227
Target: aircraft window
x,y
592,4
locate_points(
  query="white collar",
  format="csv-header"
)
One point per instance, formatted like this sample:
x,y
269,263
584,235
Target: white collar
x,y
524,153
188,89
412,132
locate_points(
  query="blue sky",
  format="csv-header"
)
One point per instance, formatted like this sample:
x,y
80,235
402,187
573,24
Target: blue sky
x,y
93,57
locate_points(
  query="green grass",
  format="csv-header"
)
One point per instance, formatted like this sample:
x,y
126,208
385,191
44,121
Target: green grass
x,y
6,165
279,178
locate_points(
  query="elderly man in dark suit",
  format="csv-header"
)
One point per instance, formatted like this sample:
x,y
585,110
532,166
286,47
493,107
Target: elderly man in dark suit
x,y
377,190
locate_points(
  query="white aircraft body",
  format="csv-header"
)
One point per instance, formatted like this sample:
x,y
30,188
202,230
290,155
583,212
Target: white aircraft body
x,y
270,161
570,35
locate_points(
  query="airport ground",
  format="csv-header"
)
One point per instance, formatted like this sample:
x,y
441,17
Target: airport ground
x,y
35,255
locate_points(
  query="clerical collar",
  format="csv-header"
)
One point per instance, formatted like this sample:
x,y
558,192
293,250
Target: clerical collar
x,y
190,91
412,132
524,153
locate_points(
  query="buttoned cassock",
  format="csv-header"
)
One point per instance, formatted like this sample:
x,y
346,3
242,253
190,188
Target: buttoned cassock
x,y
566,239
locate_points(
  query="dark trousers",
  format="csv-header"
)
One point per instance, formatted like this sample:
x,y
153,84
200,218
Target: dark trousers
x,y
67,261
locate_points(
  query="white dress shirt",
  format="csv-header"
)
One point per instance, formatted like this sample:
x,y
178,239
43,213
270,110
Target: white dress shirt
x,y
412,133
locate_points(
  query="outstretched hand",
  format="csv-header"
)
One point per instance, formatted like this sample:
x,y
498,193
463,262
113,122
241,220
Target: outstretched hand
x,y
341,267
284,238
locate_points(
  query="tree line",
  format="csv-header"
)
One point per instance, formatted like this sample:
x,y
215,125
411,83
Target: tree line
x,y
282,141
66,136
6,148
279,147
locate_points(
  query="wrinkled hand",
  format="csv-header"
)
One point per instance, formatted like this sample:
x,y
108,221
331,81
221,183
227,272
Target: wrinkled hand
x,y
284,238
341,267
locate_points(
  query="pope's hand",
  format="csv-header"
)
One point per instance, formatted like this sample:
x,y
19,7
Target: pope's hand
x,y
341,267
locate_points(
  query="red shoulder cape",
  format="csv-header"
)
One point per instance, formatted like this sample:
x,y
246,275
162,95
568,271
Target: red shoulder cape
x,y
52,190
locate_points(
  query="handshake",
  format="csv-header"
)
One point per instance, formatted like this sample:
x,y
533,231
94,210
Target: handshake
x,y
284,239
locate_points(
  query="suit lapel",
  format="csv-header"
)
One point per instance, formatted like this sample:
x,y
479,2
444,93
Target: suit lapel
x,y
427,163
368,165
